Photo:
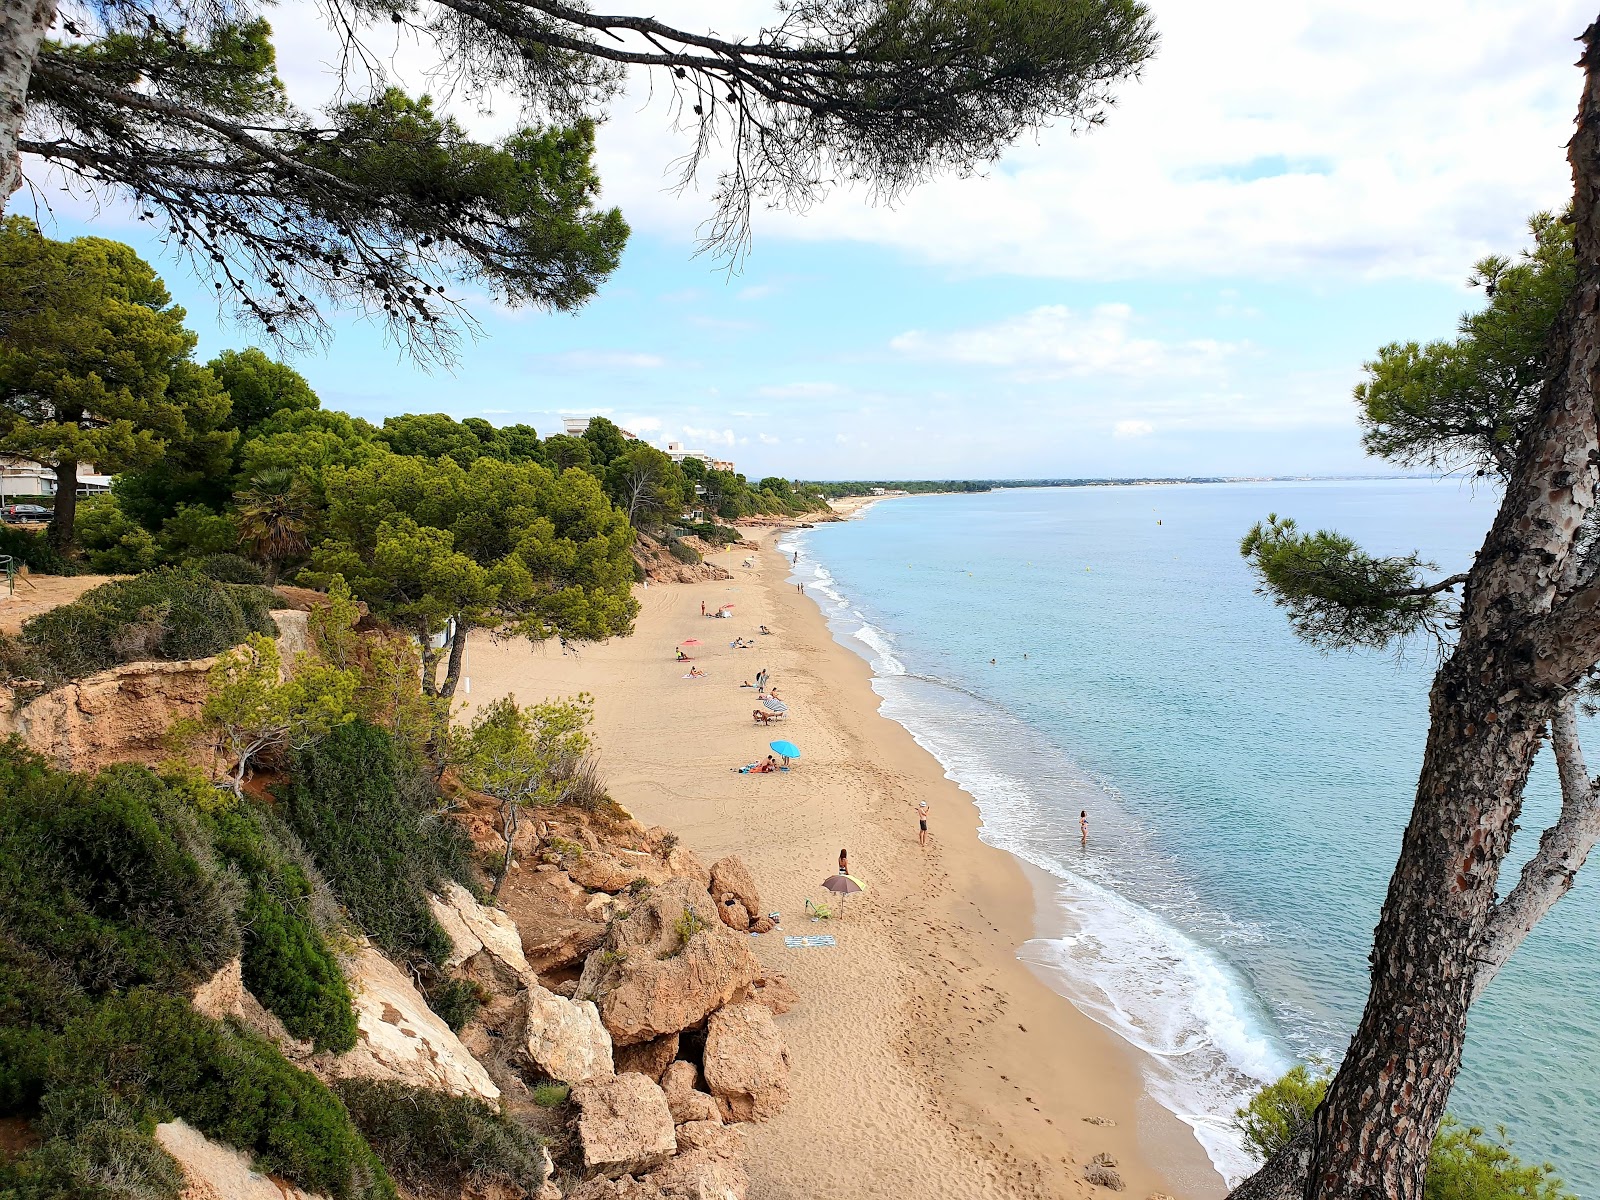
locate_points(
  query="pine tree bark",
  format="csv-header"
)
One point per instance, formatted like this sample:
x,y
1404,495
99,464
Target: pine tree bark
x,y
65,517
23,25
1529,631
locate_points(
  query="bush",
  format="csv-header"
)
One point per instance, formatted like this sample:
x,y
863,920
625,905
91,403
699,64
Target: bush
x,y
1466,1164
551,1095
112,542
32,549
287,964
456,1001
683,552
102,879
157,1055
230,568
1280,1110
98,1149
439,1146
369,819
167,614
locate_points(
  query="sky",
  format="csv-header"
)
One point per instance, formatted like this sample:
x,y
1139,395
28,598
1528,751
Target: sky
x,y
1190,289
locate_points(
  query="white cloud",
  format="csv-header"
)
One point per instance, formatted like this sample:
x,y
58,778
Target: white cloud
x,y
798,391
713,437
641,424
1053,342
590,360
766,439
1132,429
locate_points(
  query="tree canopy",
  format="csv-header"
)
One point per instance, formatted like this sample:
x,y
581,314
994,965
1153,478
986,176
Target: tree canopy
x,y
381,203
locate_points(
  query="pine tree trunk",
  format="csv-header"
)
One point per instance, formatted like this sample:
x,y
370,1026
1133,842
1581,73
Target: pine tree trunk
x,y
66,512
23,25
452,671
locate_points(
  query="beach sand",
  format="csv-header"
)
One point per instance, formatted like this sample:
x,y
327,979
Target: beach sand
x,y
927,1060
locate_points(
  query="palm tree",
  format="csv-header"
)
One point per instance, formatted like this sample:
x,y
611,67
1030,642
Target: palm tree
x,y
274,514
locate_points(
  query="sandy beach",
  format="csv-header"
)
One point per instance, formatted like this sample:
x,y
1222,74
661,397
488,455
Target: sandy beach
x,y
927,1060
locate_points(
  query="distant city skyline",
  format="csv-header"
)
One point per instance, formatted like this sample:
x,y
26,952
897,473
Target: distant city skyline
x,y
1189,290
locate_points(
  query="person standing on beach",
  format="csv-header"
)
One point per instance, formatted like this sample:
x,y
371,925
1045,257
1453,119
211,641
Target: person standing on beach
x,y
844,863
702,608
1083,826
922,824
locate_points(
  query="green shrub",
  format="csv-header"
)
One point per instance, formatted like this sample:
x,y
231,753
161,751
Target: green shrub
x,y
112,542
165,614
685,927
101,878
195,532
551,1095
98,1148
456,1001
230,568
1280,1110
683,552
369,818
157,1055
32,549
287,964
1467,1164
439,1146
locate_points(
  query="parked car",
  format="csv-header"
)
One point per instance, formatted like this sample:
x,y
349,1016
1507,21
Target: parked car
x,y
25,512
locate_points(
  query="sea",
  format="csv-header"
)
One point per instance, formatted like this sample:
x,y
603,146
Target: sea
x,y
1103,649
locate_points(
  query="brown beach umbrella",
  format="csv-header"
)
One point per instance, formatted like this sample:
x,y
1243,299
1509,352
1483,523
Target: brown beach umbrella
x,y
842,886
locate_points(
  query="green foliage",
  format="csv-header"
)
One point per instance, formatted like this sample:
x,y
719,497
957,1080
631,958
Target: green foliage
x,y
1281,1109
551,1095
98,1148
1466,401
94,361
439,1146
1468,1164
106,882
252,710
112,542
260,386
157,1054
32,549
195,531
370,820
684,928
230,568
1338,596
683,552
287,964
456,1001
163,614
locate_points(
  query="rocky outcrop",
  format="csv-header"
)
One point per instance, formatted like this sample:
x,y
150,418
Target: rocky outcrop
x,y
746,1063
686,1102
667,967
1101,1171
775,993
709,1164
119,715
212,1171
624,1126
400,1037
731,878
649,1059
476,929
660,567
565,1039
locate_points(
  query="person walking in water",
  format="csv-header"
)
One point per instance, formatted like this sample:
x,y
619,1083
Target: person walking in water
x,y
1083,826
922,824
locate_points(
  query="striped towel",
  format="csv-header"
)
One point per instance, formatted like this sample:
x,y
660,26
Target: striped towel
x,y
815,939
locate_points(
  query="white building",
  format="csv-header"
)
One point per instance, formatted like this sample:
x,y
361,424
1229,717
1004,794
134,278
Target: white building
x,y
577,426
19,477
677,453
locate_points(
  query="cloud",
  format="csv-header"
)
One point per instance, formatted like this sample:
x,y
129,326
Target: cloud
x,y
713,437
1132,429
766,439
1054,342
756,291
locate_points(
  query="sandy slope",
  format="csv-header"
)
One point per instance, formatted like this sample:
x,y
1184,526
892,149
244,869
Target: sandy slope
x,y
928,1062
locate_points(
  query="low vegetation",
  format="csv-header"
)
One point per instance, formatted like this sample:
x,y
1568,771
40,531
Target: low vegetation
x,y
1466,1162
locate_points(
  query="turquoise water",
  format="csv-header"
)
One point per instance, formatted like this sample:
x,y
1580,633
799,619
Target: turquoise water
x,y
1246,794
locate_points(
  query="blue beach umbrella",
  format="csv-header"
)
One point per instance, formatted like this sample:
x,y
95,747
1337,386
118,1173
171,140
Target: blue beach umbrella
x,y
787,749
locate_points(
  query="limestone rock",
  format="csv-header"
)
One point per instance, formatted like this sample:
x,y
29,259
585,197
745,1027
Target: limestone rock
x,y
686,1102
222,995
746,1063
763,924
731,875
775,993
400,1037
709,1164
212,1171
602,907
113,716
476,928
649,981
1102,1172
565,1039
734,915
649,1059
624,1125
601,872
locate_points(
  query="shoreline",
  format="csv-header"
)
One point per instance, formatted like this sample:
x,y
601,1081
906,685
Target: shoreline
x,y
928,1058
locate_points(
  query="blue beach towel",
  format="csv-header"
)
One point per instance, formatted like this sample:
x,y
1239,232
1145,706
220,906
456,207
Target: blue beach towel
x,y
815,939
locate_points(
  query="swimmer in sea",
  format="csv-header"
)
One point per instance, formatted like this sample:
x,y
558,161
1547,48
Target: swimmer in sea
x,y
1083,826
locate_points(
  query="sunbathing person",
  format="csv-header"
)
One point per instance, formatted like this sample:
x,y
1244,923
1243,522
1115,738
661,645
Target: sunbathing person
x,y
764,629
747,684
695,673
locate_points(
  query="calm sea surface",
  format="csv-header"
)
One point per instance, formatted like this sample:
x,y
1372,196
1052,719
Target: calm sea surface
x,y
1246,794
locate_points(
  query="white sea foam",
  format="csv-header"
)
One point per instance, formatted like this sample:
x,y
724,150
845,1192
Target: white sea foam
x,y
1206,1039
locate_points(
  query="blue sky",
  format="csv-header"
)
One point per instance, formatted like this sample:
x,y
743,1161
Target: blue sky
x,y
1190,289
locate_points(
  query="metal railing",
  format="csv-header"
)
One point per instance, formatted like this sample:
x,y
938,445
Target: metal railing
x,y
8,564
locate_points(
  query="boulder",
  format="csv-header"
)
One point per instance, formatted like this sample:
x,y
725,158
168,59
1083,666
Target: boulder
x,y
601,872
734,915
746,1063
649,1059
212,1171
763,924
624,1125
709,1164
775,993
1102,1172
650,980
476,928
564,1038
399,1037
731,875
687,1103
